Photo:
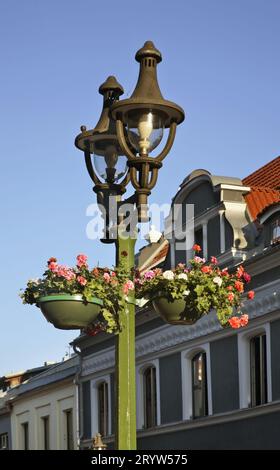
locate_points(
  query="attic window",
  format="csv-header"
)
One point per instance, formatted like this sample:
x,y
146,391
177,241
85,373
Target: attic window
x,y
275,231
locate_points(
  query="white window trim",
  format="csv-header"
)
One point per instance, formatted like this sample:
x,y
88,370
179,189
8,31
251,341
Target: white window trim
x,y
244,363
94,383
140,369
186,367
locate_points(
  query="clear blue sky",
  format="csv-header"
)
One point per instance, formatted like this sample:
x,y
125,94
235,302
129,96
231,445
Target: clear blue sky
x,y
220,63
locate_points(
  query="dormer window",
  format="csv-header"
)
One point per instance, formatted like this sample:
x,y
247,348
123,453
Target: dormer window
x,y
275,231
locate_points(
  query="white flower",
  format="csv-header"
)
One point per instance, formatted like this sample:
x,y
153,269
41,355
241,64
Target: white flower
x,y
187,292
183,276
218,280
168,275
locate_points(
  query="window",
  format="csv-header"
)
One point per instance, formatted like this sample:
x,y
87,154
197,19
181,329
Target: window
x,y
150,397
69,429
103,411
199,385
198,238
25,436
275,231
258,370
46,432
4,441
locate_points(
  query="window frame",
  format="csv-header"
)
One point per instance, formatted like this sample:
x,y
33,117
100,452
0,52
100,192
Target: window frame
x,y
94,384
244,363
140,402
4,437
187,389
204,385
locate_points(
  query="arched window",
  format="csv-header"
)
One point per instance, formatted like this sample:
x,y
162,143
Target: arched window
x,y
103,409
258,370
199,385
150,397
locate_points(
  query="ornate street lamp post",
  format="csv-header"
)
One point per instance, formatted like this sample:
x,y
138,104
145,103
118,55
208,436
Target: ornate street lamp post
x,y
118,150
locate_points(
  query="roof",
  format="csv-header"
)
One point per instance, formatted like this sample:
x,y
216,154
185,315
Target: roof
x,y
260,199
267,176
156,258
55,373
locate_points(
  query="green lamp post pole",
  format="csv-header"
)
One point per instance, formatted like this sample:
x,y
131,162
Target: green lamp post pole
x,y
125,135
125,357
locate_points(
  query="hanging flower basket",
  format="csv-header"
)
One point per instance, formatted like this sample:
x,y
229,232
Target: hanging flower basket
x,y
70,312
184,294
175,312
79,297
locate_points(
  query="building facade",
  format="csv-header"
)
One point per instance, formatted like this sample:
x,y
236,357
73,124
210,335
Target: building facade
x,y
42,412
201,386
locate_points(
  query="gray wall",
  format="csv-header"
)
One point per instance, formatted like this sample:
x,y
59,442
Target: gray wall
x,y
86,407
170,388
203,197
224,374
275,359
213,236
260,432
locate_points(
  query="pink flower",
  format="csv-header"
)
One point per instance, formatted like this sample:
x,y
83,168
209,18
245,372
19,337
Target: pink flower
x,y
81,261
230,297
64,271
234,322
129,285
106,277
149,275
214,260
246,277
251,295
81,280
244,319
113,274
53,266
181,266
197,259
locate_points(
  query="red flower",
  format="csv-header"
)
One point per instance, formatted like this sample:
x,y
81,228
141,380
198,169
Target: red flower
x,y
251,295
196,248
244,319
224,272
239,286
214,260
52,260
206,269
234,322
240,271
124,253
229,287
231,297
246,277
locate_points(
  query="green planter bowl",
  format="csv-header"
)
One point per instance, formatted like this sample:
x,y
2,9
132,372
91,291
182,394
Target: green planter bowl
x,y
175,312
69,312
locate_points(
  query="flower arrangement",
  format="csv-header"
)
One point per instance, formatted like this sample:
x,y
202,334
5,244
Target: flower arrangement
x,y
204,286
110,286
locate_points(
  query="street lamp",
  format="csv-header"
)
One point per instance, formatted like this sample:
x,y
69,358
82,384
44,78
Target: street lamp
x,y
132,128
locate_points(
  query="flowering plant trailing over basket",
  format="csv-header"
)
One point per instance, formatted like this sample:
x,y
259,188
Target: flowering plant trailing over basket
x,y
110,286
204,286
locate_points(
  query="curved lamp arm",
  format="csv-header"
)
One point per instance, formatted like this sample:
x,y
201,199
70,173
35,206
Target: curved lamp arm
x,y
90,169
153,179
169,142
122,141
